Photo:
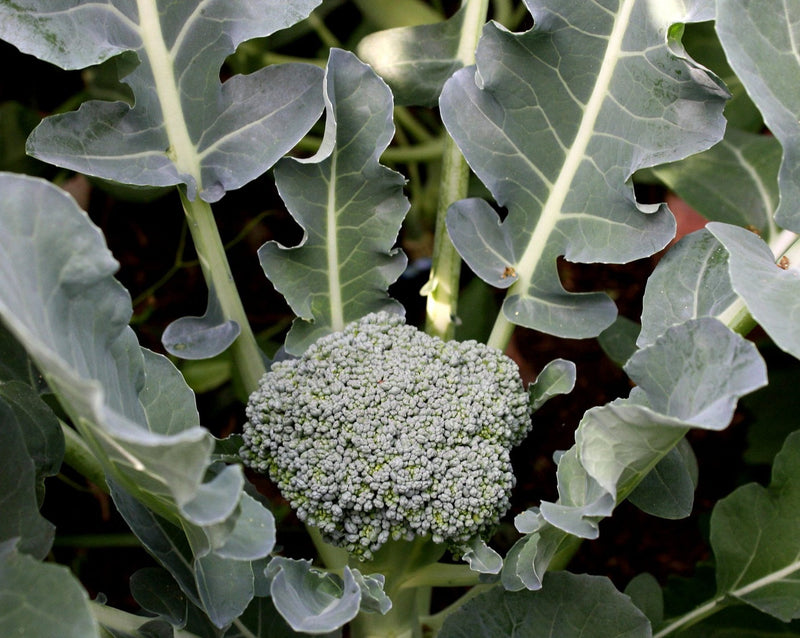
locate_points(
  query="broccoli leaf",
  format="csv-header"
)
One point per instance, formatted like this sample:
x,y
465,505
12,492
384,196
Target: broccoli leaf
x,y
668,490
689,377
557,377
184,127
311,600
555,121
41,599
415,61
350,206
735,181
690,281
755,541
759,39
131,406
568,606
771,294
21,519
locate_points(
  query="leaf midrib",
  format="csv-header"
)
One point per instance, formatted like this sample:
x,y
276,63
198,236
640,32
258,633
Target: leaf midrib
x,y
549,217
161,63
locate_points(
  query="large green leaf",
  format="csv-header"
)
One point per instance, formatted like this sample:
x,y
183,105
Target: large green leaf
x,y
41,599
350,206
735,181
569,606
771,293
760,39
185,127
555,121
131,406
416,61
755,540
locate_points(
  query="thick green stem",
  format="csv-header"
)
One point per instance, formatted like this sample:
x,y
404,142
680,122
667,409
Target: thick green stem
x,y
442,287
80,458
401,621
246,355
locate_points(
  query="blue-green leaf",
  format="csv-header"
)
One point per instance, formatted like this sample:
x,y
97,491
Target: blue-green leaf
x,y
194,338
690,281
735,181
41,599
668,490
311,600
21,519
755,540
557,377
568,606
415,61
131,406
771,293
555,121
759,38
185,126
350,206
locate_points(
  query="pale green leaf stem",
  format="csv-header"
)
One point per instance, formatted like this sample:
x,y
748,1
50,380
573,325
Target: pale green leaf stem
x,y
248,362
442,287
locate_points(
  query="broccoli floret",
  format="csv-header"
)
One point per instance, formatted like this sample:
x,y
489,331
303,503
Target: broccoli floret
x,y
382,432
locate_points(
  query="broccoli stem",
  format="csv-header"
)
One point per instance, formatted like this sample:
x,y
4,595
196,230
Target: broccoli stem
x,y
399,562
401,621
442,287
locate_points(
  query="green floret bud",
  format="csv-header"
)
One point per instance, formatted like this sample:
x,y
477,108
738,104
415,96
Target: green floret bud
x,y
382,432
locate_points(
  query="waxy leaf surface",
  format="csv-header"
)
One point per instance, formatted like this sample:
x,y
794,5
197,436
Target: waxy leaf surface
x,y
41,599
755,541
350,206
131,406
772,294
184,127
554,121
568,606
760,39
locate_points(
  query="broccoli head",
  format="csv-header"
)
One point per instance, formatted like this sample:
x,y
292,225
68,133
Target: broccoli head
x,y
382,432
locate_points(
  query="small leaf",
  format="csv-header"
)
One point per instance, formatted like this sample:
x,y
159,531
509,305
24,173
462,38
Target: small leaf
x,y
772,294
690,281
350,206
482,558
668,490
415,61
387,14
311,600
41,599
201,337
755,541
759,41
568,606
472,222
373,598
548,120
557,377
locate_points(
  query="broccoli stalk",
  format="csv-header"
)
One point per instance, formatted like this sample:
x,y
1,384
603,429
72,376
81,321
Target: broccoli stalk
x,y
395,446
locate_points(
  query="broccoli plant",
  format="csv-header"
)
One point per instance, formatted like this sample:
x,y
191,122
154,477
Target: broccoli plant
x,y
491,147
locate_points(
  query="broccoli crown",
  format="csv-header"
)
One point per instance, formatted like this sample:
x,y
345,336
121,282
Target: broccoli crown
x,y
381,431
